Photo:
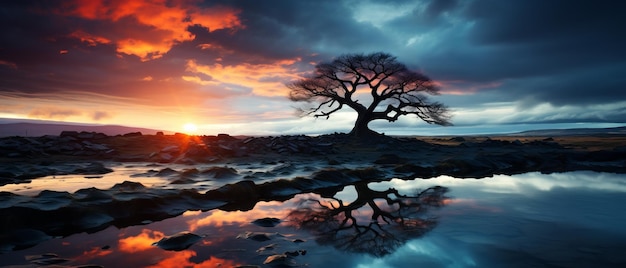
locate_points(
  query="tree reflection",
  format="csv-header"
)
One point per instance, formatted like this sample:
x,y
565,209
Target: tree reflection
x,y
388,221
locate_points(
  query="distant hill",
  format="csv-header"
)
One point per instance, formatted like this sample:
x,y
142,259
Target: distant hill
x,y
36,129
572,132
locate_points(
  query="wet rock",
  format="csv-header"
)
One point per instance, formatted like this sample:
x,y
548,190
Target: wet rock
x,y
171,149
220,172
178,242
166,172
188,173
257,236
48,201
414,170
464,168
92,196
128,186
93,169
457,139
267,222
92,220
390,159
183,180
283,169
21,239
280,260
263,249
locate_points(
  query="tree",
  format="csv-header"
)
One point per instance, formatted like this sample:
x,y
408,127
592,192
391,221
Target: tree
x,y
377,222
394,91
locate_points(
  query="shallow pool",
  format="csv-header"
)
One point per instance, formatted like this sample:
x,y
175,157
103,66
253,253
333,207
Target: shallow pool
x,y
572,219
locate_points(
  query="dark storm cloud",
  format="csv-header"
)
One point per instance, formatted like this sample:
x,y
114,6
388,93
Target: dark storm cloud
x,y
559,52
287,29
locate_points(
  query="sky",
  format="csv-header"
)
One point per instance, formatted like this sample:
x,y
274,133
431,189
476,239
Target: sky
x,y
502,66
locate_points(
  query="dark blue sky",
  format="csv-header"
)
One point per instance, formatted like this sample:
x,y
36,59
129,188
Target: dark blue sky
x,y
222,65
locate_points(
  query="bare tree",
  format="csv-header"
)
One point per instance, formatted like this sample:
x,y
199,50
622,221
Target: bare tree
x,y
393,219
393,91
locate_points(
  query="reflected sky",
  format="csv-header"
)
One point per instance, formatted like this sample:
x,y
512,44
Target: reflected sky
x,y
566,220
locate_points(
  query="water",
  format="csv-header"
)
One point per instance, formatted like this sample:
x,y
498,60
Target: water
x,y
572,219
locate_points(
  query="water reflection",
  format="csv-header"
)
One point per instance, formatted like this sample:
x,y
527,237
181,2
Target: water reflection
x,y
377,222
530,220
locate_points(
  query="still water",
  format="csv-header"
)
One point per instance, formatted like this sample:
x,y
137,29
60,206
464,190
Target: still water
x,y
575,219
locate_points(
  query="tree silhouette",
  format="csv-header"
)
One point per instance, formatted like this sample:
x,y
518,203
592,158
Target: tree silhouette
x,y
393,89
389,226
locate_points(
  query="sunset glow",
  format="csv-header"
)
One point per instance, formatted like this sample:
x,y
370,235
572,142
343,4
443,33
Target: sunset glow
x,y
224,64
190,128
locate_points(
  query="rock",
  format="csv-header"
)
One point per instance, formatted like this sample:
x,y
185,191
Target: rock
x,y
69,134
95,147
171,149
132,134
266,222
221,172
390,159
257,236
280,260
85,135
166,172
93,168
459,139
178,242
262,249
21,238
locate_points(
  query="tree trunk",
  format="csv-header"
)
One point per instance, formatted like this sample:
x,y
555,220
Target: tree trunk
x,y
360,129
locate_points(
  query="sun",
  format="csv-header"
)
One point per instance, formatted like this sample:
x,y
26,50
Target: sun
x,y
190,128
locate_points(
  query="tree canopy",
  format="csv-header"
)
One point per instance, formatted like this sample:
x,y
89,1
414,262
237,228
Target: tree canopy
x,y
376,86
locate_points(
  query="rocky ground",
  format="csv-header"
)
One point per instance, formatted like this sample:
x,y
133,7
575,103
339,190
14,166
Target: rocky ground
x,y
26,220
26,158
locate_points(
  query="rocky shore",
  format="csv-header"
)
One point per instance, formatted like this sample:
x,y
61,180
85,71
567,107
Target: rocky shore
x,y
26,158
325,165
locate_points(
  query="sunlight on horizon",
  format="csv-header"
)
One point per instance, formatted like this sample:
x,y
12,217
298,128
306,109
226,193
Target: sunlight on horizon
x,y
190,128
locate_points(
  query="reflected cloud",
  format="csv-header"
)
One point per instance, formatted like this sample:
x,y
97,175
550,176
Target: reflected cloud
x,y
220,218
182,259
141,242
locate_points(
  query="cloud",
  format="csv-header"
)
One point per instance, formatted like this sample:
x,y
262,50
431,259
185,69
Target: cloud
x,y
53,113
91,40
149,28
554,61
264,79
99,115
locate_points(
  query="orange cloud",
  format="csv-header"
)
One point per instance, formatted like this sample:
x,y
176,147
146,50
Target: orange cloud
x,y
264,79
154,25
